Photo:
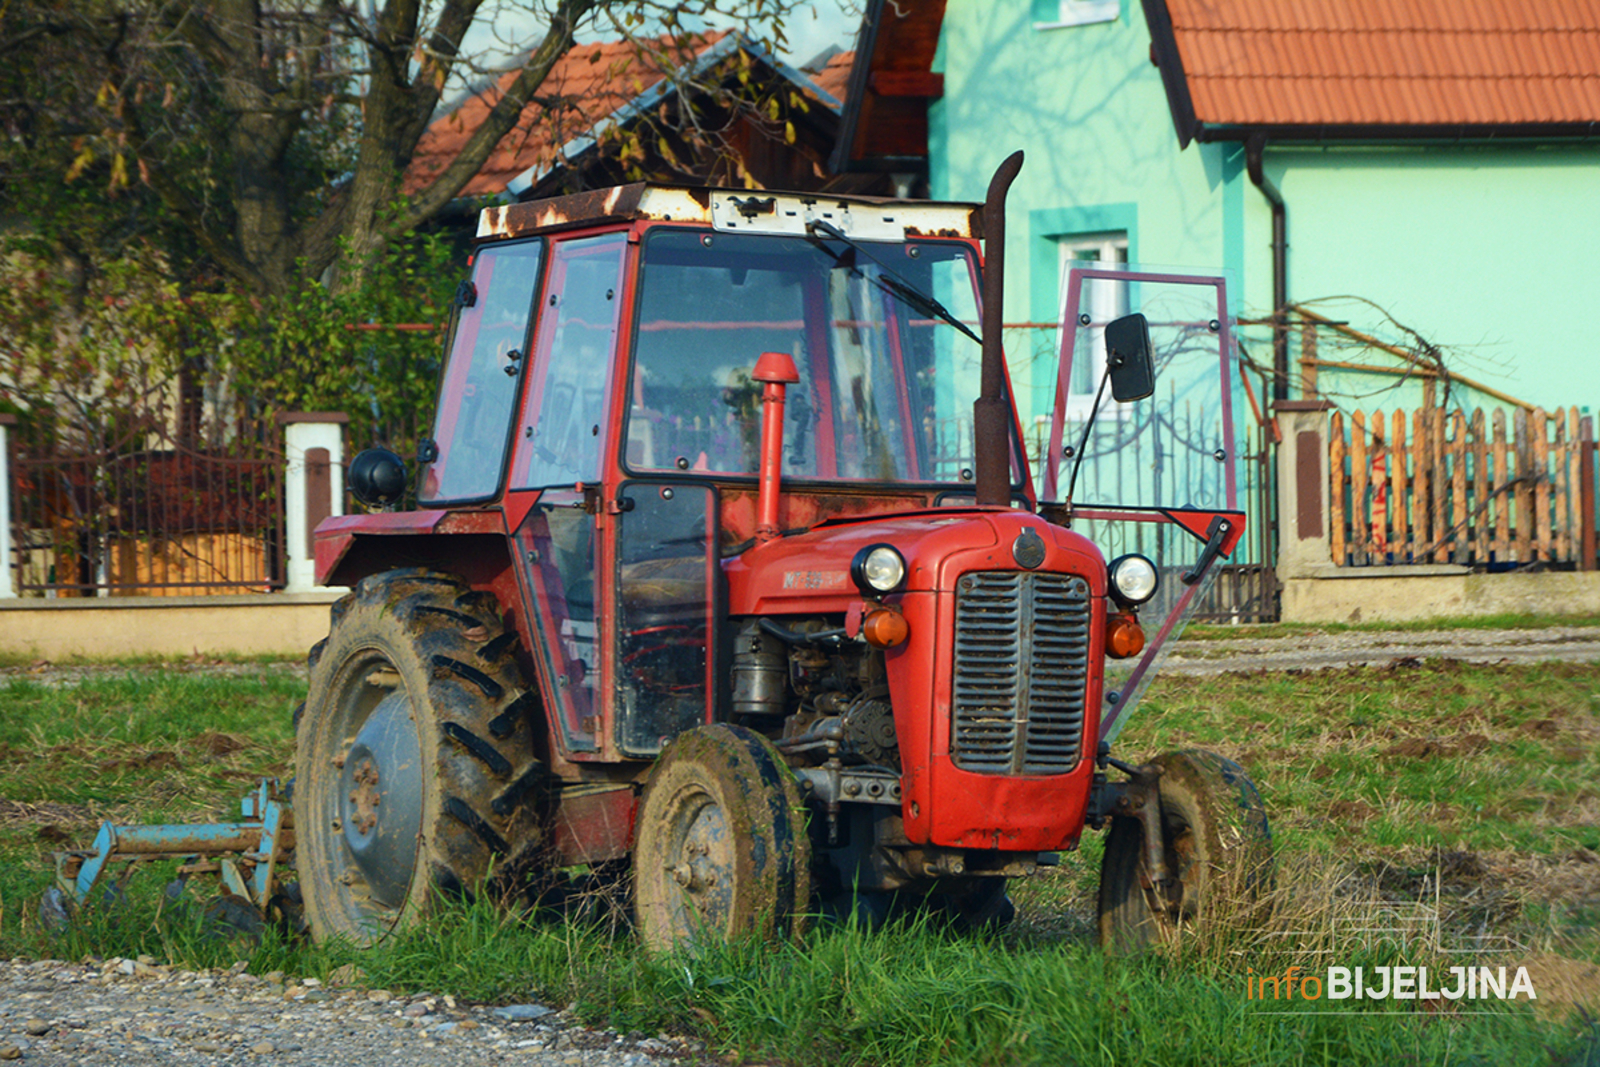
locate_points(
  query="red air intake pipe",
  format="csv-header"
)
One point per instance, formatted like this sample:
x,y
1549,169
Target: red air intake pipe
x,y
776,372
991,413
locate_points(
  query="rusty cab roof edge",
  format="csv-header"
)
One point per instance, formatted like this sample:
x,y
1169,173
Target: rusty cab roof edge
x,y
678,203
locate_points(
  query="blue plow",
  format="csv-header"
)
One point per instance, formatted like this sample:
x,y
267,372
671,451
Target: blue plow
x,y
248,855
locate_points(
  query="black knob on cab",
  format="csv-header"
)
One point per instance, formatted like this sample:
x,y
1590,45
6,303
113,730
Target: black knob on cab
x,y
378,477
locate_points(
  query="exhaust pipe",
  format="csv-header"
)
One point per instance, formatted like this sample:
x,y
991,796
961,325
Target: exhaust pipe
x,y
991,413
776,372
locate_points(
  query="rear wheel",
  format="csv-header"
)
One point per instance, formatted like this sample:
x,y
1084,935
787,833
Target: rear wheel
x,y
722,848
414,765
1217,849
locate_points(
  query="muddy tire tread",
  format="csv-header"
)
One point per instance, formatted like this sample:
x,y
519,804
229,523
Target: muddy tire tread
x,y
414,619
1232,844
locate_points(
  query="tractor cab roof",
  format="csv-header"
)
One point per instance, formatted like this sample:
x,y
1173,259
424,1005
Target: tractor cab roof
x,y
735,210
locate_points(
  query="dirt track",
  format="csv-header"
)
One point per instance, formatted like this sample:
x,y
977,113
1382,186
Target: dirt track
x,y
1315,651
139,1013
1198,656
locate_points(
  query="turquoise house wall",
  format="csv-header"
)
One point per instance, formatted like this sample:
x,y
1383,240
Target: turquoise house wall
x,y
1086,105
1493,253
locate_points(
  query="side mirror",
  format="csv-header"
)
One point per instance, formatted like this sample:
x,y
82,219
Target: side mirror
x,y
1128,358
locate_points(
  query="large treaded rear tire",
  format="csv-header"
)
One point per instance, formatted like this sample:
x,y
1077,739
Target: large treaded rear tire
x,y
1218,847
415,771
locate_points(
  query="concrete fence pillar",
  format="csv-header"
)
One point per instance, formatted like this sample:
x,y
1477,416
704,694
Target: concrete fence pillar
x,y
313,487
8,587
1303,533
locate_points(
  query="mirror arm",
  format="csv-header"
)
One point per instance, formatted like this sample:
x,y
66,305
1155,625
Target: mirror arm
x,y
1215,535
1088,428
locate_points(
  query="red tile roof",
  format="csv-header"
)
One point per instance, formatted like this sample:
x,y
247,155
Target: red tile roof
x,y
835,75
592,82
1397,64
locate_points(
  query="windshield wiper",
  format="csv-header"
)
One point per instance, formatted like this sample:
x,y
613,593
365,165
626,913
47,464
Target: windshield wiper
x,y
890,282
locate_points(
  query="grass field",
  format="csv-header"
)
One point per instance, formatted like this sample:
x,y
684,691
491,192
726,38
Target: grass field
x,y
1463,792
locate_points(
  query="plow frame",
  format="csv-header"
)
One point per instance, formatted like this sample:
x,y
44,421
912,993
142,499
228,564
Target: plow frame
x,y
246,855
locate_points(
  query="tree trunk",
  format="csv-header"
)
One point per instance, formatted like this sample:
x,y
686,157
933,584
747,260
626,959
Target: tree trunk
x,y
266,120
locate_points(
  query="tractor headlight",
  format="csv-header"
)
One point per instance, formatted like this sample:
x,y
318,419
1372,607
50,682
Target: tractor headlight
x,y
1134,579
878,569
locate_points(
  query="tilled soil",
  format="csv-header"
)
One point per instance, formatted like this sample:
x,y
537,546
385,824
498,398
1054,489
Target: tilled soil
x,y
136,1012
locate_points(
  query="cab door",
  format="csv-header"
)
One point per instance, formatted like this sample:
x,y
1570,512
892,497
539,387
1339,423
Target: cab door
x,y
622,587
560,452
666,593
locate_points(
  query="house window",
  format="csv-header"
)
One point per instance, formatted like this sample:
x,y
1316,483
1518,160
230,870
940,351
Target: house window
x,y
1101,300
1053,14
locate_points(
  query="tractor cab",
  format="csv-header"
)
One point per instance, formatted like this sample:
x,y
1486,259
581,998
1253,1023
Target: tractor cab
x,y
601,391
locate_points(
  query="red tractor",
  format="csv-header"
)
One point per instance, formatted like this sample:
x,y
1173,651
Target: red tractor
x,y
719,572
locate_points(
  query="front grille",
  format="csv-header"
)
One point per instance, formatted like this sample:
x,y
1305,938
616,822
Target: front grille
x,y
1021,670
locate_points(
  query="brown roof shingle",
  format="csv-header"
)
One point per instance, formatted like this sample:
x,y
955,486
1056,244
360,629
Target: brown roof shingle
x,y
1397,64
834,77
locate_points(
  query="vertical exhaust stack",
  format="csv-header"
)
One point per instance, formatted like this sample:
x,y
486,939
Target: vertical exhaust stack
x,y
991,414
776,372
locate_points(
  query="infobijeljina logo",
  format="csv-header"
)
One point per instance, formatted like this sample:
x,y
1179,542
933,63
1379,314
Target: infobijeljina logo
x,y
1351,987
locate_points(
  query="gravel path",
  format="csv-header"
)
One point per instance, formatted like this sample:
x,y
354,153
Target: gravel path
x,y
133,1012
1314,651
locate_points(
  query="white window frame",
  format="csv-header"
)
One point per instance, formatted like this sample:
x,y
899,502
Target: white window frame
x,y
1083,13
1110,249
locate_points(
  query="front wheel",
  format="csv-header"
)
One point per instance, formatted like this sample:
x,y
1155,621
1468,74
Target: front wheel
x,y
722,846
1217,849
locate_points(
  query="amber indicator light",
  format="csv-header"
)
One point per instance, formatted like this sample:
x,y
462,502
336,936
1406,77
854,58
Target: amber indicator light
x,y
885,629
1124,638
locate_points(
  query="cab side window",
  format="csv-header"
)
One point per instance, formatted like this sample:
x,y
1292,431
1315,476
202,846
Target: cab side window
x,y
565,427
478,390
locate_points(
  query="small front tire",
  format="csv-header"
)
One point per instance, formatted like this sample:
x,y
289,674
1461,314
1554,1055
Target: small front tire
x,y
722,846
1217,851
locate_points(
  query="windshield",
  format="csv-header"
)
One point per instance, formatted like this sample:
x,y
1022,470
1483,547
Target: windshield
x,y
885,391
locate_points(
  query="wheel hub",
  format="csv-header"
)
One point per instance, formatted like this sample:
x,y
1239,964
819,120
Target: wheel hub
x,y
365,798
704,866
380,800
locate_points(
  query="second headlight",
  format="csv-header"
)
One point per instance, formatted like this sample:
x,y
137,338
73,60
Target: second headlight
x,y
878,569
1134,579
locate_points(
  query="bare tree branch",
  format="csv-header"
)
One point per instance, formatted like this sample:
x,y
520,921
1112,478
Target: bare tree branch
x,y
502,117
279,132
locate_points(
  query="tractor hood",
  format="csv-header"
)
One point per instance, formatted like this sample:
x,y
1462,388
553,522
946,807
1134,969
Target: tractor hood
x,y
810,572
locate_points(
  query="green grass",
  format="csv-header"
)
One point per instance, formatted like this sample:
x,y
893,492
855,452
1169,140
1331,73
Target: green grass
x,y
1473,786
172,744
910,995
1443,755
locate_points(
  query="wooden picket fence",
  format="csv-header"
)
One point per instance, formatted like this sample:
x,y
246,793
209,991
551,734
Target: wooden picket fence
x,y
1437,486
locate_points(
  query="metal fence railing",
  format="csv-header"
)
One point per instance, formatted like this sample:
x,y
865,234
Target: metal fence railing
x,y
145,513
